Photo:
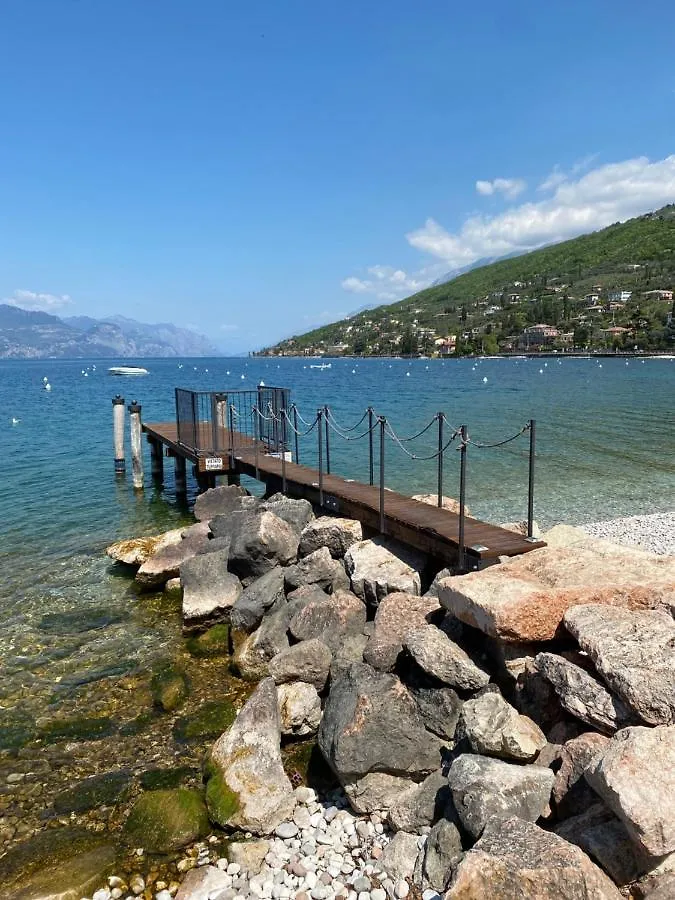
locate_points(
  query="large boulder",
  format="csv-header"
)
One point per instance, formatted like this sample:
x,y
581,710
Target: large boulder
x,y
483,787
252,652
439,707
337,535
515,859
635,776
219,501
380,567
445,660
308,661
209,590
375,792
166,562
248,788
421,805
135,551
400,855
165,821
525,598
442,854
372,724
332,619
571,792
299,709
634,651
296,513
494,728
260,542
397,614
318,568
260,596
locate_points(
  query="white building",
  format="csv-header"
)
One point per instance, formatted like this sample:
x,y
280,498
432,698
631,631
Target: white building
x,y
619,296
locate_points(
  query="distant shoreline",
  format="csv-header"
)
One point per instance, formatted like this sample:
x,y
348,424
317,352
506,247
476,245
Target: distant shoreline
x,y
532,354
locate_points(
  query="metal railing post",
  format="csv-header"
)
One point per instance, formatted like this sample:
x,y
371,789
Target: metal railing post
x,y
256,441
325,410
462,500
440,459
371,428
295,429
319,416
530,486
383,423
283,450
231,420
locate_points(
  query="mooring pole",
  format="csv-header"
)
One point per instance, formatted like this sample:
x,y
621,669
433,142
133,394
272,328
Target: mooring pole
x,y
156,461
118,433
136,446
440,459
256,440
530,486
327,441
371,428
231,421
383,423
319,416
219,420
295,429
180,476
283,451
462,499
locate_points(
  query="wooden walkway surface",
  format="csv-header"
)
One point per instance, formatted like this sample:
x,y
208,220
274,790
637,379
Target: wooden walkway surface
x,y
422,526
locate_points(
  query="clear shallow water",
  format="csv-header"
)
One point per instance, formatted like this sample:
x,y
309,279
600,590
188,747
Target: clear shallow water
x,y
606,442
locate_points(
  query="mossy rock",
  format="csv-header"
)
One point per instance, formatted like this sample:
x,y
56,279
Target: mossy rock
x,y
161,779
108,789
304,764
169,689
12,737
164,821
221,801
138,724
210,720
44,853
78,621
86,728
214,642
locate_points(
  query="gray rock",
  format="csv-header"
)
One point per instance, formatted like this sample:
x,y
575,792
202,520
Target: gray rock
x,y
308,661
433,587
166,562
440,709
330,618
634,651
371,724
202,883
223,526
515,859
399,856
397,614
209,590
260,596
299,709
571,792
635,776
337,535
493,727
250,855
380,567
582,695
483,787
135,551
351,647
318,568
421,805
254,651
296,513
248,767
218,501
260,542
375,792
434,652
442,854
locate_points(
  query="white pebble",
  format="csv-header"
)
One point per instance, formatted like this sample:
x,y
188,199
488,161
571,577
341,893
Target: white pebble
x,y
401,889
286,830
163,895
378,894
233,869
102,894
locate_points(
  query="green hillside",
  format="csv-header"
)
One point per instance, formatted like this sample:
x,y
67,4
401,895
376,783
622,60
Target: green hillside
x,y
489,308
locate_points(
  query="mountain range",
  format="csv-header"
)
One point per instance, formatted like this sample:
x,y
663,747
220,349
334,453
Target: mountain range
x,y
25,334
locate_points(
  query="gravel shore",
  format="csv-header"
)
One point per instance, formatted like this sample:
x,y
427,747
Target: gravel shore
x,y
655,533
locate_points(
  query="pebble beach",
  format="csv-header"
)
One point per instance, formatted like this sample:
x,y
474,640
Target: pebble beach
x,y
654,533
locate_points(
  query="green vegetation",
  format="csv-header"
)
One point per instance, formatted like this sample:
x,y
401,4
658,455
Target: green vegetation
x,y
214,642
488,309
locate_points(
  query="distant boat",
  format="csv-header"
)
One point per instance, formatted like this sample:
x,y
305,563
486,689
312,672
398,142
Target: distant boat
x,y
322,366
127,370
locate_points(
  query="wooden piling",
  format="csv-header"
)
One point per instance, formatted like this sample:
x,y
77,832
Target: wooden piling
x,y
136,445
118,433
181,476
156,460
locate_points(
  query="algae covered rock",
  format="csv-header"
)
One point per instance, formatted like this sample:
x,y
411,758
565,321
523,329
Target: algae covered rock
x,y
214,642
165,821
169,689
208,721
98,790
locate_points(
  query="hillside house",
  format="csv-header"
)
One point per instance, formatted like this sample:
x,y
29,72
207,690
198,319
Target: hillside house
x,y
620,296
659,295
592,299
538,336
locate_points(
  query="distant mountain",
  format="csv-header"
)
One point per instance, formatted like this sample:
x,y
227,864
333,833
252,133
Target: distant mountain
x,y
36,335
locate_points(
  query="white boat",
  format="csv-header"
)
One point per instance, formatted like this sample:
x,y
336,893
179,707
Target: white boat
x,y
127,370
322,366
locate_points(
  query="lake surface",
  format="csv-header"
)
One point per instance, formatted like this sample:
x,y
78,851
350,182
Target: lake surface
x,y
605,448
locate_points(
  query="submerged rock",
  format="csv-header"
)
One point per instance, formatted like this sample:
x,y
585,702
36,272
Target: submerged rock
x,y
107,789
165,821
213,642
336,534
207,721
379,567
169,688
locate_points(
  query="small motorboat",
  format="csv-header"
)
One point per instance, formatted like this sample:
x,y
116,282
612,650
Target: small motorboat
x,y
127,370
322,366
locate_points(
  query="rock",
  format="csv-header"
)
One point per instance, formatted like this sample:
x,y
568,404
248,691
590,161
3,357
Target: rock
x,y
135,551
209,720
494,728
209,590
448,503
254,651
107,789
248,788
332,618
250,855
375,792
219,501
165,821
525,598
521,528
169,688
318,568
371,724
442,854
440,709
660,887
421,805
397,614
571,793
582,695
378,567
203,883
483,787
351,647
635,776
308,661
433,587
434,652
337,535
174,589
166,562
299,709
296,513
260,542
634,651
260,596
215,641
514,859
398,858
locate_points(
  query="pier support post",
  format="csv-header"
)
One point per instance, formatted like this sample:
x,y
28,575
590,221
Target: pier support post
x,y
530,484
118,433
461,562
156,461
383,425
181,477
440,459
136,445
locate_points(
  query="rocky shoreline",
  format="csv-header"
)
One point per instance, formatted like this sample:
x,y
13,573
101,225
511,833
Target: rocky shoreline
x,y
394,729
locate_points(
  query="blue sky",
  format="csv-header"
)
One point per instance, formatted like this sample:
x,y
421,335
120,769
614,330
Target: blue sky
x,y
252,169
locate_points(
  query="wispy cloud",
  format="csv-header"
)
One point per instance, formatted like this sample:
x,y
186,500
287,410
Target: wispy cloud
x,y
386,283
510,187
38,302
229,327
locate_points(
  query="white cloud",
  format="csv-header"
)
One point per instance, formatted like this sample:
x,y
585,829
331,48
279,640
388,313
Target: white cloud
x,y
558,176
510,187
229,327
386,283
38,302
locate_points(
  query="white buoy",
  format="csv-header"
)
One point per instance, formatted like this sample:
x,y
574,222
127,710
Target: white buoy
x,y
15,421
86,374
228,372
207,371
48,386
242,377
45,380
408,374
541,371
353,371
484,380
545,365
600,366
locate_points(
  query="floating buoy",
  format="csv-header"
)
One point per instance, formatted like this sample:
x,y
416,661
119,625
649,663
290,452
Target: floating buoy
x,y
48,386
45,380
228,372
484,380
15,421
541,371
408,374
242,377
353,371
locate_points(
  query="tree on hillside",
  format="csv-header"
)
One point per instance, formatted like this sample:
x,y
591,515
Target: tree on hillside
x,y
408,342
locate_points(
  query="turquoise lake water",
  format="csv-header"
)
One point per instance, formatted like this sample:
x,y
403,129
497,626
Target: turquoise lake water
x,y
605,448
